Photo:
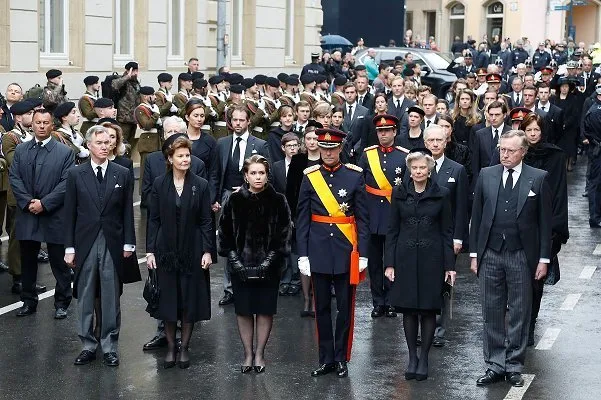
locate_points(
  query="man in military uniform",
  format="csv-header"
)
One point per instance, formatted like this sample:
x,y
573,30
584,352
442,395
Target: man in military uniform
x,y
164,97
270,104
105,108
383,167
290,96
54,93
332,240
184,81
22,112
86,102
321,88
128,87
148,117
309,84
68,117
337,98
217,97
257,109
260,81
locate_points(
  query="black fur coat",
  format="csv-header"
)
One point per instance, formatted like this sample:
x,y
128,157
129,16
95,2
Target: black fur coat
x,y
253,224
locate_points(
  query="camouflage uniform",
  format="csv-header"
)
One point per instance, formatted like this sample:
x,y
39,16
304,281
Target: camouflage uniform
x,y
86,109
128,101
53,95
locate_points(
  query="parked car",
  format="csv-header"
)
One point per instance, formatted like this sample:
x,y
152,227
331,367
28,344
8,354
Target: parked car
x,y
433,65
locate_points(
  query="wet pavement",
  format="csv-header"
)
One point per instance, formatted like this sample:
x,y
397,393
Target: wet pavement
x,y
37,352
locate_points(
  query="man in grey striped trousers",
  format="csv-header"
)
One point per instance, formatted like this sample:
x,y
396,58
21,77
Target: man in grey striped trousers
x,y
510,238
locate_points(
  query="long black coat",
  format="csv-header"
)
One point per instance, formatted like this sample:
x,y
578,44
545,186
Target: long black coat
x,y
571,107
419,245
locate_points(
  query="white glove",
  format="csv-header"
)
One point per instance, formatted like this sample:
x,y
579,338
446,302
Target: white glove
x,y
459,60
154,108
304,266
562,70
174,108
362,263
206,101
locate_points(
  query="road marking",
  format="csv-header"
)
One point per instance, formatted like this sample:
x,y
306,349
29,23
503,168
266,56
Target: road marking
x,y
597,251
548,339
570,302
587,272
516,393
42,296
4,238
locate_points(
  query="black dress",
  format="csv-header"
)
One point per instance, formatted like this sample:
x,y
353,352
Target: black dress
x,y
179,233
419,245
298,164
203,148
254,225
408,142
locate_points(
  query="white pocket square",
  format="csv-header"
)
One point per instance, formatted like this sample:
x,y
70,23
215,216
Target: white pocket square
x,y
451,179
531,194
117,186
360,117
254,151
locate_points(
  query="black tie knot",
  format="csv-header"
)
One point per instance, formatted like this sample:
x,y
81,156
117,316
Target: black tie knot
x,y
99,173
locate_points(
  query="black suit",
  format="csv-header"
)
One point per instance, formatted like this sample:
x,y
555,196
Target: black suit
x,y
435,121
589,83
278,171
400,112
553,119
453,176
511,101
368,102
483,148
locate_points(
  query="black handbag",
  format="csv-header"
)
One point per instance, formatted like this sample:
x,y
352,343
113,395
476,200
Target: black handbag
x,y
152,292
553,273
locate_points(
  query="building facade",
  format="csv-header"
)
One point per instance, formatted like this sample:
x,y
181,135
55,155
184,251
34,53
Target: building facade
x,y
535,19
84,37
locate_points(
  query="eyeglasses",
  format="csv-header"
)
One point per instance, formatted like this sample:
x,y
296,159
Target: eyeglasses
x,y
291,145
508,151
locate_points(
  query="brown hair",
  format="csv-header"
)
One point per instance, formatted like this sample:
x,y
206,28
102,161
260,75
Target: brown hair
x,y
256,159
302,103
192,105
289,137
530,118
498,104
243,109
321,109
283,108
179,143
119,149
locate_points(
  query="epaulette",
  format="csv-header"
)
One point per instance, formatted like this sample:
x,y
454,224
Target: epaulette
x,y
311,169
506,95
353,167
375,146
401,148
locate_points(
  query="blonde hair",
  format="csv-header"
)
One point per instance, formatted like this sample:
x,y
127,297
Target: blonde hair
x,y
411,157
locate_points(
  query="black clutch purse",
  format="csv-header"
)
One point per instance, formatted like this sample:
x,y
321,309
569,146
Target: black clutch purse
x,y
152,292
553,273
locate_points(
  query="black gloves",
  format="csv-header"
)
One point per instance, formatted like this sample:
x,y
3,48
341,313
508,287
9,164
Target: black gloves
x,y
266,264
236,265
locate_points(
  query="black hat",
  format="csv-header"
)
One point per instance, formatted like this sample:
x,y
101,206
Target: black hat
x,y
320,78
107,119
282,77
398,58
307,78
238,89
103,102
131,65
35,101
567,81
169,141
273,82
248,83
329,138
294,76
146,90
416,109
340,81
21,107
63,109
91,80
408,72
197,75
292,81
215,79
471,41
312,125
164,77
199,83
360,68
184,76
422,150
53,73
234,79
260,79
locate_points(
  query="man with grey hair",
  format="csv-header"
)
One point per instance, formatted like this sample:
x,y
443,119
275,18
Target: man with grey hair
x,y
173,124
100,240
510,245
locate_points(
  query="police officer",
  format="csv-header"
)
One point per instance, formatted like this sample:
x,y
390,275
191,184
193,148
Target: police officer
x,y
383,167
332,239
561,54
148,117
518,54
592,132
86,102
314,67
541,57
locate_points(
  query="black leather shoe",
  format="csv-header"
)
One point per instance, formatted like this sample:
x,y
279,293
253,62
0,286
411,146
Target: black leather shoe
x,y
17,287
156,342
3,267
259,369
245,369
391,312
515,378
85,357
25,311
40,288
227,298
110,359
293,290
283,290
42,256
324,369
438,342
341,369
60,313
489,377
377,312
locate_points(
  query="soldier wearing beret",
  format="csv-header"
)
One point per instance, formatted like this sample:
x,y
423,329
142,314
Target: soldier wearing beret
x,y
332,240
54,93
104,108
290,95
218,99
68,117
184,82
164,97
322,88
256,108
260,80
308,81
86,102
148,118
128,88
337,98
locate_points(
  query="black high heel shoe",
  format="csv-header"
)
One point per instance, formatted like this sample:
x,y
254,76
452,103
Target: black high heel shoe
x,y
183,364
245,369
410,374
259,369
170,364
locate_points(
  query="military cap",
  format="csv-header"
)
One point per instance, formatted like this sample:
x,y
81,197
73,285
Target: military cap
x,y
481,71
546,71
248,83
164,77
63,109
385,121
315,54
282,77
360,68
169,141
199,83
273,82
260,79
292,81
553,64
184,76
197,75
235,79
519,113
467,53
103,102
422,150
340,81
572,64
528,62
35,101
329,138
307,78
238,89
91,80
146,90
215,79
493,78
53,73
131,65
542,44
294,76
320,78
109,120
499,61
21,107
416,109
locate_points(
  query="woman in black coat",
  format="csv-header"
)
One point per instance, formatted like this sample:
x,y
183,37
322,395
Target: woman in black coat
x,y
274,138
254,235
419,256
550,158
568,100
179,241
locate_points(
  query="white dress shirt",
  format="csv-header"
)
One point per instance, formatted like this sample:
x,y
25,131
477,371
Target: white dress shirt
x,y
243,144
500,129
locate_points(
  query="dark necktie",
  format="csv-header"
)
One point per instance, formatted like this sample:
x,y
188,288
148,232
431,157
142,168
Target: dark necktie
x,y
398,104
38,147
509,181
99,174
517,98
496,138
361,100
300,129
236,154
428,123
543,108
350,112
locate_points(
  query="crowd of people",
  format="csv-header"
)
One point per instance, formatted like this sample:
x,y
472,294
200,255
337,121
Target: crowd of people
x,y
313,182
